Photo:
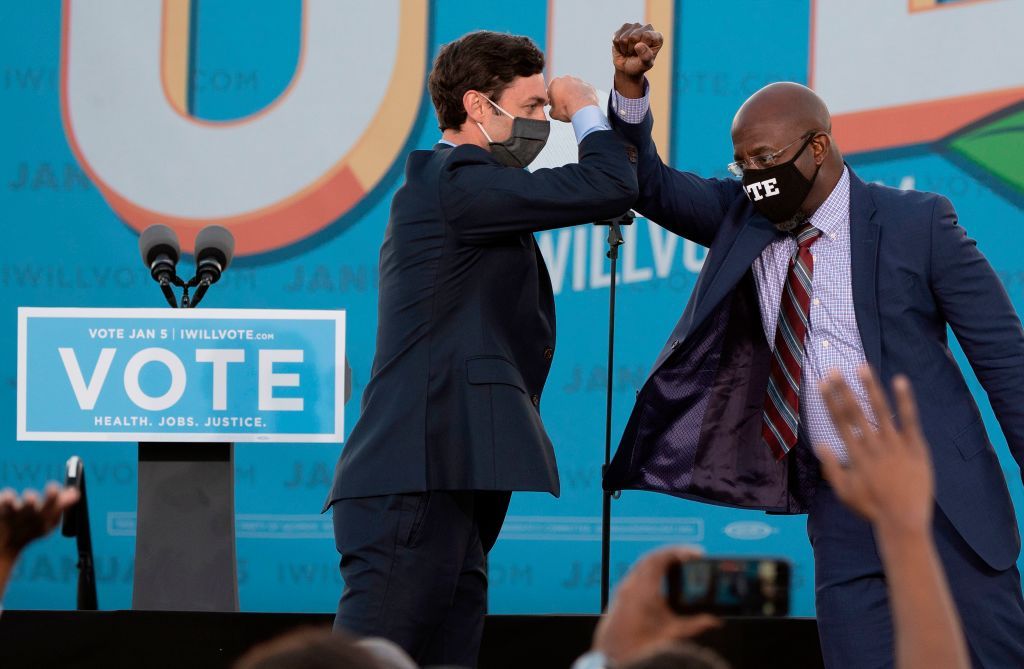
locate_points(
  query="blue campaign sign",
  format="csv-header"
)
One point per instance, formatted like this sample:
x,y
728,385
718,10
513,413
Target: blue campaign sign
x,y
180,375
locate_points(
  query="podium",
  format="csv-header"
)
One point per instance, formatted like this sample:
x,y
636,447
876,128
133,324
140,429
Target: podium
x,y
186,385
185,528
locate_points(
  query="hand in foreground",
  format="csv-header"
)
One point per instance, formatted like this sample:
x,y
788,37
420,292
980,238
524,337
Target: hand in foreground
x,y
634,48
889,476
25,519
639,620
567,95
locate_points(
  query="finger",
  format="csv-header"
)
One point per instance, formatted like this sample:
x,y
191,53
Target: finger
x,y
632,37
841,413
829,461
68,498
855,418
844,485
8,502
644,52
653,566
30,498
876,398
689,627
653,39
837,475
626,27
621,40
49,502
906,407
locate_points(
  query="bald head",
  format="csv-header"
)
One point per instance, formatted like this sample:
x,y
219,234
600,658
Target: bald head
x,y
785,105
774,119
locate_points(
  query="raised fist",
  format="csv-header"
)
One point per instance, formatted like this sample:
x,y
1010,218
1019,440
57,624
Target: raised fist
x,y
634,48
567,95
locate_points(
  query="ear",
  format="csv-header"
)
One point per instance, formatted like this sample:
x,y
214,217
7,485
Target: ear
x,y
821,145
474,104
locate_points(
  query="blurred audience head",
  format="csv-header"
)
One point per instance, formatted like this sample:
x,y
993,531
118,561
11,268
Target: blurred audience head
x,y
311,649
680,655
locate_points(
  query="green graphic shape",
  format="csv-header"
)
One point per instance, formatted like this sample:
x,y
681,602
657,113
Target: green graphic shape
x,y
997,148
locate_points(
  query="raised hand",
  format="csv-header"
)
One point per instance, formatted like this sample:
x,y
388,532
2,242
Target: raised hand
x,y
639,621
567,95
889,477
634,48
25,519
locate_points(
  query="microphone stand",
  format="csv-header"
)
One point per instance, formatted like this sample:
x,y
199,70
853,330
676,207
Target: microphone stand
x,y
76,524
614,242
202,284
197,524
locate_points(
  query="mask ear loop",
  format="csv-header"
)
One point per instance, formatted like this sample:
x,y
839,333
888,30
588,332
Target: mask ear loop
x,y
496,106
491,141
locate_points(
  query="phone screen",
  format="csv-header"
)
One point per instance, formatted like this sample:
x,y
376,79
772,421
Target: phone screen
x,y
730,586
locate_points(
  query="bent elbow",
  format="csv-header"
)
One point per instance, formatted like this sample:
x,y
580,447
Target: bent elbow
x,y
623,196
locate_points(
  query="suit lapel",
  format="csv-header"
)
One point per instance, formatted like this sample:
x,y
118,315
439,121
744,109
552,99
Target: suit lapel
x,y
864,240
753,237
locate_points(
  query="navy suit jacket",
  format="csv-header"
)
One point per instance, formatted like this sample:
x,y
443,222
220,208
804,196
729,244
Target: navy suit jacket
x,y
695,429
466,324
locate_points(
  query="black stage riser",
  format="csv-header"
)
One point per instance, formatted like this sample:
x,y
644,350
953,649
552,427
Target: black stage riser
x,y
156,639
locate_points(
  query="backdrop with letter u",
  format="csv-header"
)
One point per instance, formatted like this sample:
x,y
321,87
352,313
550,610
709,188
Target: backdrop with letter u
x,y
289,120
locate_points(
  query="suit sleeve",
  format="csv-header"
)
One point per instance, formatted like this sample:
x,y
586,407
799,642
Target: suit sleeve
x,y
484,201
681,202
978,309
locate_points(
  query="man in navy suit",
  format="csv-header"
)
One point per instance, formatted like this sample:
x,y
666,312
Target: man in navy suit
x,y
811,269
450,421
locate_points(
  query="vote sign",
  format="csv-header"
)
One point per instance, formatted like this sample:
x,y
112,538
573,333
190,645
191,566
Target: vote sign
x,y
180,375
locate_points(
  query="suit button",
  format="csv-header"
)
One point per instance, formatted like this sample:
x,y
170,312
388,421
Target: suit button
x,y
675,343
535,399
548,352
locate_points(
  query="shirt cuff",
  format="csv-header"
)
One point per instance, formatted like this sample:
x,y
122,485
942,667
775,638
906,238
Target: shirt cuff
x,y
632,110
587,120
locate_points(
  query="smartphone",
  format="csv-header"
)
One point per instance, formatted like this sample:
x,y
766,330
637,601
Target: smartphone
x,y
730,586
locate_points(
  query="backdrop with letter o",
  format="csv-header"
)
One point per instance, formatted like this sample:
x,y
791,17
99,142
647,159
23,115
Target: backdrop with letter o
x,y
288,121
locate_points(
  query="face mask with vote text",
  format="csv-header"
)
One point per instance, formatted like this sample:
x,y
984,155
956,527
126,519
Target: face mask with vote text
x,y
778,191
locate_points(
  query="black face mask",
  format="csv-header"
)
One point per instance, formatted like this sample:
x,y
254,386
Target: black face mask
x,y
778,191
524,144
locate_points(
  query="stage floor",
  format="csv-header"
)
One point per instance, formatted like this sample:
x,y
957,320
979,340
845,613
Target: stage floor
x,y
157,639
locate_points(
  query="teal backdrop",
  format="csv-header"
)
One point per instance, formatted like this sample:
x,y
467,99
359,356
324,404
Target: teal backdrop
x,y
66,202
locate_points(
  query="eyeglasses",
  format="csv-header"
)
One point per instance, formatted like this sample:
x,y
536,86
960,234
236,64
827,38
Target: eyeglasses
x,y
765,160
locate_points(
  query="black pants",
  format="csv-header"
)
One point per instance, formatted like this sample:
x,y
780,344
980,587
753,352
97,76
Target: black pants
x,y
415,571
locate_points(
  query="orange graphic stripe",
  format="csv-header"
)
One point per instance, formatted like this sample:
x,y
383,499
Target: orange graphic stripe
x,y
918,123
174,53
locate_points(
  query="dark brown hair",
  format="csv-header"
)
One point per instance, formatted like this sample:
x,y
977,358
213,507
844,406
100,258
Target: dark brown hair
x,y
482,61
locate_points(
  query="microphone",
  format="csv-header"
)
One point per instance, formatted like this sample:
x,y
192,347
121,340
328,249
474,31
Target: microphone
x,y
215,246
160,252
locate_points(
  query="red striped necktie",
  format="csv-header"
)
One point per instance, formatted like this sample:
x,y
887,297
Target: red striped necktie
x,y
782,401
